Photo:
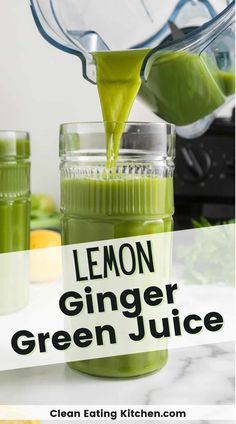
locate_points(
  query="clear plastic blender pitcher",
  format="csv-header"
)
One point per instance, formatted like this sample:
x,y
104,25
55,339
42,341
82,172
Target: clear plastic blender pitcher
x,y
188,80
81,27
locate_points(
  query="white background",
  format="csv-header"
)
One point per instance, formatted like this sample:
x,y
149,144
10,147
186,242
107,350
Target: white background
x,y
41,87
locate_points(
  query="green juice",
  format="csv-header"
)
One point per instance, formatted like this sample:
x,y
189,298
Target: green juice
x,y
14,195
14,228
227,81
14,220
119,207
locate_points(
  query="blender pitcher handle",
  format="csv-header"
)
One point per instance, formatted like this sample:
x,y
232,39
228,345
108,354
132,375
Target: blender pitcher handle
x,y
196,41
54,33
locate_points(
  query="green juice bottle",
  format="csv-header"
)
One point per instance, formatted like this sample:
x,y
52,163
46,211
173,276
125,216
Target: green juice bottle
x,y
100,203
14,219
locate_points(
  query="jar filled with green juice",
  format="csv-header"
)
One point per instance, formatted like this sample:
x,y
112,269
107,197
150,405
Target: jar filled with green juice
x,y
103,198
14,219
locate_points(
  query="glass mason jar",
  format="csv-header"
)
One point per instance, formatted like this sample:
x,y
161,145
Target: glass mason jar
x,y
99,203
14,218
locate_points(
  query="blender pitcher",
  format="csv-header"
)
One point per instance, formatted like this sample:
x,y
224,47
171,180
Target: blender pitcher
x,y
204,54
187,80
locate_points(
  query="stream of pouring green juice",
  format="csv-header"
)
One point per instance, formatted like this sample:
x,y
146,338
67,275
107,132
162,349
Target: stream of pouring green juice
x,y
118,82
118,207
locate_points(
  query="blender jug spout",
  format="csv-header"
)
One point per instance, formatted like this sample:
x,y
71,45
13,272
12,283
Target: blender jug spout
x,y
49,19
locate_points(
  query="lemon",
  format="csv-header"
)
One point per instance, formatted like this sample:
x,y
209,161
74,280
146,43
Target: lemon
x,y
45,264
44,238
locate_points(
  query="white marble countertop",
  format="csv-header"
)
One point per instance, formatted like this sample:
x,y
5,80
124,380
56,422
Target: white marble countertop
x,y
201,375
